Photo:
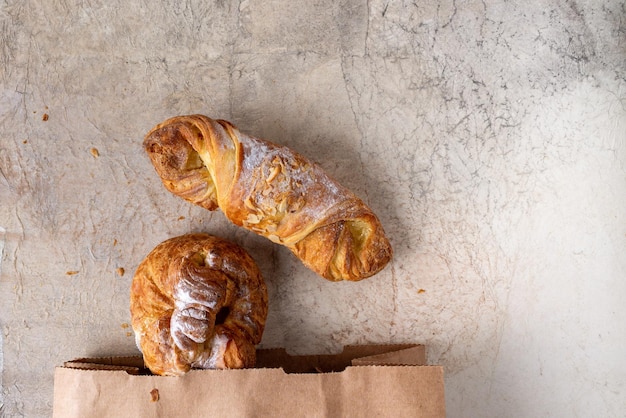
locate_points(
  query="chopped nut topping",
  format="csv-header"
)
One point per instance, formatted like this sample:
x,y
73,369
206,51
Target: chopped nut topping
x,y
253,219
274,238
275,171
248,203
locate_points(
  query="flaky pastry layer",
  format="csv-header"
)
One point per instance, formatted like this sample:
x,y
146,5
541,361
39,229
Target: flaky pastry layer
x,y
272,191
197,301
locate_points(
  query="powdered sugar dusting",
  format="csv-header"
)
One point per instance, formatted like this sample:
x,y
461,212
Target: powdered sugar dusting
x,y
187,291
138,337
213,259
215,360
255,151
284,182
229,265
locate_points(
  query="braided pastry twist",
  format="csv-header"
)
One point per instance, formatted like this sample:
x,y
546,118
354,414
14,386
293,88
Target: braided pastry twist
x,y
271,190
197,301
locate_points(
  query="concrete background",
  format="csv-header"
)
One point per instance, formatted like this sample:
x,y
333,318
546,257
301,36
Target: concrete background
x,y
489,137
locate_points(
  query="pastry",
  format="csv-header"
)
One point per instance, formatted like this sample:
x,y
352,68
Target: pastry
x,y
272,191
197,301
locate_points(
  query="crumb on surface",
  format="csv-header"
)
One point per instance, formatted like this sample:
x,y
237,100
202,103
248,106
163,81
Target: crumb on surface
x,y
154,394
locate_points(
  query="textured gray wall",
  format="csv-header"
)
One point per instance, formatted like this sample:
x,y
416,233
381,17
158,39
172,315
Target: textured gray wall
x,y
489,136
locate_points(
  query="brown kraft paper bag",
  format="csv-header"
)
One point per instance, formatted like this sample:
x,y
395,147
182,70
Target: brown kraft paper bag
x,y
361,381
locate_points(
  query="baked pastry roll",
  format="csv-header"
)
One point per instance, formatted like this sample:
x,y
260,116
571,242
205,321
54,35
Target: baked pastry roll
x,y
197,301
272,191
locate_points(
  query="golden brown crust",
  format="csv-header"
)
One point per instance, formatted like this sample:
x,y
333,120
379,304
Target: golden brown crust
x,y
197,301
271,190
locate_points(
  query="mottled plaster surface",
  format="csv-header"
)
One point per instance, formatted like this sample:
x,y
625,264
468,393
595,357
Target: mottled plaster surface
x,y
489,137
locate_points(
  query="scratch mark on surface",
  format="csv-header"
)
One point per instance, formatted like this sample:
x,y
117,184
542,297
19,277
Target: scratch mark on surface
x,y
452,15
359,128
2,238
394,287
367,28
4,177
385,9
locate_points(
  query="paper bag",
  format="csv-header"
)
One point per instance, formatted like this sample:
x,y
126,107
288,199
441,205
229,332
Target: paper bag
x,y
362,381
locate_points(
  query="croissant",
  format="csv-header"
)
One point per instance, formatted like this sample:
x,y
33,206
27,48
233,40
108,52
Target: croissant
x,y
197,301
272,191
